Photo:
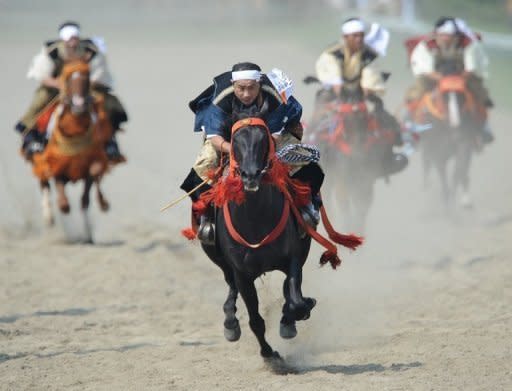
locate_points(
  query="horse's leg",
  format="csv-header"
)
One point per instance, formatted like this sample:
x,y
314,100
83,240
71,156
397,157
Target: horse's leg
x,y
287,327
104,205
85,195
362,197
62,199
248,291
461,174
296,307
46,203
95,172
441,165
426,165
232,330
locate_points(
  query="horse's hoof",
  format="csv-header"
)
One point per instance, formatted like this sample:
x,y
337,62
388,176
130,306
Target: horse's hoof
x,y
85,204
271,356
232,335
310,302
64,208
104,206
287,331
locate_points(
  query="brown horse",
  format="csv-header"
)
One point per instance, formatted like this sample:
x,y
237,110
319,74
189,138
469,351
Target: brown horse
x,y
77,133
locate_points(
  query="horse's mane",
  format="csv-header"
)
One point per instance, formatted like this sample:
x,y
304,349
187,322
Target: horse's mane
x,y
252,111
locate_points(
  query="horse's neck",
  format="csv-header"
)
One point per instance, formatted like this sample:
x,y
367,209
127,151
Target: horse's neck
x,y
259,213
74,124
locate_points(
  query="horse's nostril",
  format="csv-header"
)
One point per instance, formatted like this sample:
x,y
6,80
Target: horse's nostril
x,y
243,174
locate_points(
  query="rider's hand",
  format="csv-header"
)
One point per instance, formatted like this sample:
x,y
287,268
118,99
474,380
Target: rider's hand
x,y
52,82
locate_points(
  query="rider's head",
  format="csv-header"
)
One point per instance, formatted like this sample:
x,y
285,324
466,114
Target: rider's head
x,y
69,32
446,32
353,34
246,77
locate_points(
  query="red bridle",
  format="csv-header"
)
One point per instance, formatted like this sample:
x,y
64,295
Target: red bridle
x,y
243,123
279,228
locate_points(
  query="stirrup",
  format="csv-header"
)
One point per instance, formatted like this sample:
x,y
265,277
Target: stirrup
x,y
311,217
206,231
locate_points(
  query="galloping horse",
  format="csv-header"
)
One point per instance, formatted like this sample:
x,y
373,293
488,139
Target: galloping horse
x,y
353,149
77,132
456,119
259,230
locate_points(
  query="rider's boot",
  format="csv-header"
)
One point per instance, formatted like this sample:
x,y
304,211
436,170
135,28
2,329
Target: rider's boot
x,y
33,142
206,230
311,212
113,153
206,223
313,175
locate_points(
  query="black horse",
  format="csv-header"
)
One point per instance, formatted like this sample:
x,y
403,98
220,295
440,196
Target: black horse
x,y
254,219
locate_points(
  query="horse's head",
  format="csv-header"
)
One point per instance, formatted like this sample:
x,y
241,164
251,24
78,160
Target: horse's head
x,y
352,125
76,86
251,147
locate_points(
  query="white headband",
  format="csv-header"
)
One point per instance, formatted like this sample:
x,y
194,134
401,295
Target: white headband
x,y
352,27
68,32
246,75
448,27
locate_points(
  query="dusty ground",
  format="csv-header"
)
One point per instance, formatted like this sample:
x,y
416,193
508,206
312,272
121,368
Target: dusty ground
x,y
425,305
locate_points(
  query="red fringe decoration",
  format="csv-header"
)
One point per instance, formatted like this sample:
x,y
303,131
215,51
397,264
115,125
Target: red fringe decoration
x,y
279,176
350,241
189,233
199,207
330,257
231,188
226,189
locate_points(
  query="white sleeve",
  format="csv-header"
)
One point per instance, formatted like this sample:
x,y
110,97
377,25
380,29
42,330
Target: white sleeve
x,y
42,66
371,79
99,71
422,60
476,60
328,70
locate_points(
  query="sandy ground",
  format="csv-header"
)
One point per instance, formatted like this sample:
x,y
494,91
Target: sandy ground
x,y
425,305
